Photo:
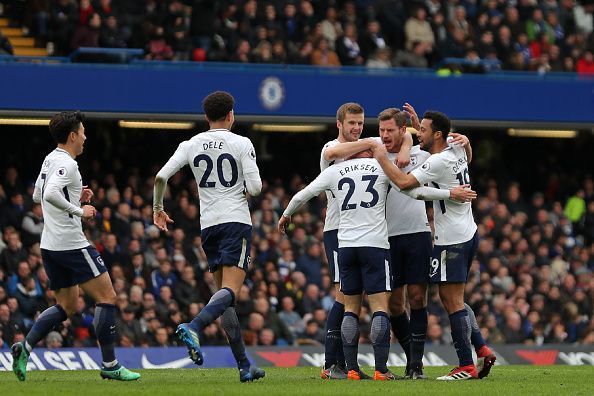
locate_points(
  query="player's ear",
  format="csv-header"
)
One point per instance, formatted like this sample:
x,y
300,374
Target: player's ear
x,y
338,124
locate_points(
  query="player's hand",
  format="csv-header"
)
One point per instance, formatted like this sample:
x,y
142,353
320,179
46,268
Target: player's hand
x,y
412,114
403,158
89,212
282,223
86,195
458,139
161,219
462,193
379,151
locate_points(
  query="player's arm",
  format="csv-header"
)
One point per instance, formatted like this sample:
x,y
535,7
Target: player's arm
x,y
251,173
396,176
38,189
462,140
175,163
404,153
56,188
345,150
423,193
321,183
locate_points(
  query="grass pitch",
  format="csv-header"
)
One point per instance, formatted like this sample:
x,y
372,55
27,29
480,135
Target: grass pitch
x,y
503,380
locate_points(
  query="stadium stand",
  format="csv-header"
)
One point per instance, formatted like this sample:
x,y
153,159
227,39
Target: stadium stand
x,y
459,36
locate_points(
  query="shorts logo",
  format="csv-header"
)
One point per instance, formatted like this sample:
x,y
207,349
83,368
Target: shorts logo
x,y
434,267
62,172
426,166
249,260
100,261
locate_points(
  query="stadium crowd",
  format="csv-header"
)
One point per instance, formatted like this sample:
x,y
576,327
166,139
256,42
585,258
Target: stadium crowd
x,y
531,282
538,35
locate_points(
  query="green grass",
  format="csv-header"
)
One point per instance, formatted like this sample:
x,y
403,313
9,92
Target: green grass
x,y
504,380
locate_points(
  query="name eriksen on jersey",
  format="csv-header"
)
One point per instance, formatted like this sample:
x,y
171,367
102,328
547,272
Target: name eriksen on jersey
x,y
212,145
357,167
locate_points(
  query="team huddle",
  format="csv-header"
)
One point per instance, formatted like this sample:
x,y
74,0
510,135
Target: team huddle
x,y
377,237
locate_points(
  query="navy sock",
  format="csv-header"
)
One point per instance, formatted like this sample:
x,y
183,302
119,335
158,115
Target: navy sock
x,y
45,322
401,329
333,343
460,325
380,338
418,336
350,340
104,323
476,338
218,303
231,326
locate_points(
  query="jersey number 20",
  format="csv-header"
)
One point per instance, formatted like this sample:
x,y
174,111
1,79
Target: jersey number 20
x,y
204,183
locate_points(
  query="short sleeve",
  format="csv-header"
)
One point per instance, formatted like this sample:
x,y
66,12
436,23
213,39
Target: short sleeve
x,y
248,158
323,162
429,171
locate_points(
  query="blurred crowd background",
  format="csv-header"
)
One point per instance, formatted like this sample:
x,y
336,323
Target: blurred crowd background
x,y
519,35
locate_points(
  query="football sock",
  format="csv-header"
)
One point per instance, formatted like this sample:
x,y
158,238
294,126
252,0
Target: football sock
x,y
231,326
350,340
401,329
218,303
460,325
418,335
380,339
45,322
475,336
104,322
333,343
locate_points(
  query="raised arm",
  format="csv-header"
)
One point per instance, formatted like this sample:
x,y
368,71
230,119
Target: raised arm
x,y
462,140
396,176
345,150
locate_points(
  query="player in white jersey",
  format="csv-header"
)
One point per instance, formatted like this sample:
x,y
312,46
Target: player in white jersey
x,y
360,188
455,231
69,259
224,165
349,122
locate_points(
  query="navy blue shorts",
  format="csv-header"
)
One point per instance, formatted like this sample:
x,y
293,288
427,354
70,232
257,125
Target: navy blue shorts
x,y
364,269
451,263
227,244
331,248
67,268
410,256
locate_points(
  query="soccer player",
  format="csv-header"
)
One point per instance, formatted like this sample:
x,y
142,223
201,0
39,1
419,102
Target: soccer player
x,y
224,165
456,238
360,188
350,118
69,259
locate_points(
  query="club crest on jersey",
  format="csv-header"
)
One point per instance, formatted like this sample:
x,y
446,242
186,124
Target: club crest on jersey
x,y
253,154
62,172
426,166
413,160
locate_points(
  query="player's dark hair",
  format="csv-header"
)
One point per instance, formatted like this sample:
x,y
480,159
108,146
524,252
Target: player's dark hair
x,y
395,114
217,105
439,122
63,123
348,108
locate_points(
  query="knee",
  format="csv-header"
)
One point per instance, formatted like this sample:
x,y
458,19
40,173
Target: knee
x,y
69,309
417,299
396,304
108,297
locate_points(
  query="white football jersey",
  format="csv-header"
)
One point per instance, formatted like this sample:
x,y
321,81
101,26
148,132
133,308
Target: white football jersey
x,y
219,160
332,212
454,222
406,215
59,175
359,187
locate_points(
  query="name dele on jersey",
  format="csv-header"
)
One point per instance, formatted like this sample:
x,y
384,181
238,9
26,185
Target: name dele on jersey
x,y
357,167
